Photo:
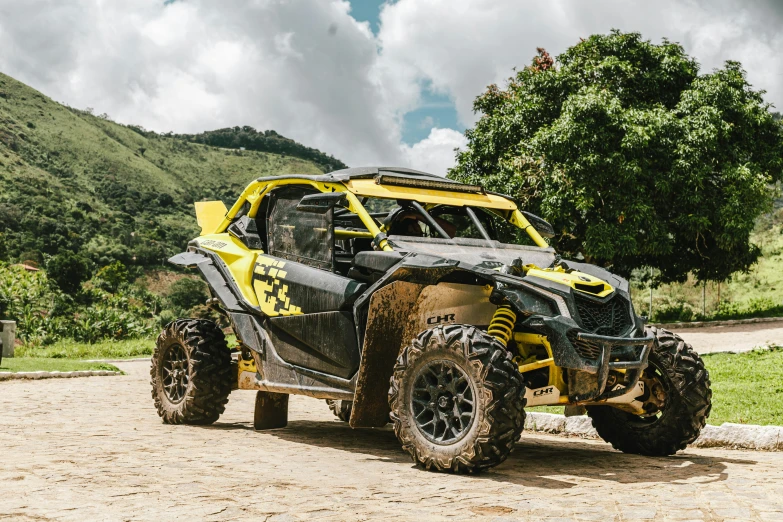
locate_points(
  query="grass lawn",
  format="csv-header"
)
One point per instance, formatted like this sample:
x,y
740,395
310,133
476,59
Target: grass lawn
x,y
747,388
36,364
67,349
103,350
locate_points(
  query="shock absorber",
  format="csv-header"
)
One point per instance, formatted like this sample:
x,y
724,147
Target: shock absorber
x,y
501,327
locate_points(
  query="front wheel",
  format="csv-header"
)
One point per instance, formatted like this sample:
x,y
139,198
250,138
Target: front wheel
x,y
191,373
677,400
457,400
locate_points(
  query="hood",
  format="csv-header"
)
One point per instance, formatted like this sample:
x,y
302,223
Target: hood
x,y
493,255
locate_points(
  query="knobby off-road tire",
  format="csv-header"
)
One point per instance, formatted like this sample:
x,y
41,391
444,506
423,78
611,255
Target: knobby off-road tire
x,y
191,372
340,408
685,411
436,378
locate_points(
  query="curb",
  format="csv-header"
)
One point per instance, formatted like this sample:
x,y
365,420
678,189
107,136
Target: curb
x,y
707,324
727,435
8,376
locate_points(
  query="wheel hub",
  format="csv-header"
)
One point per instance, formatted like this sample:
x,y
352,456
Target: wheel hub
x,y
654,398
442,402
175,373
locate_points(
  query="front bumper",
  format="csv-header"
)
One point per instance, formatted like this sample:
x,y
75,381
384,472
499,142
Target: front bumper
x,y
589,358
628,354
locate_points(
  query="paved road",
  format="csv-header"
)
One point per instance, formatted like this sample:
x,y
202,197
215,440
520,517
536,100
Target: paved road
x,y
737,338
94,449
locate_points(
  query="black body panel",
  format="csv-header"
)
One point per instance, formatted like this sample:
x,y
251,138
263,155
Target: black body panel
x,y
245,229
275,374
312,289
325,342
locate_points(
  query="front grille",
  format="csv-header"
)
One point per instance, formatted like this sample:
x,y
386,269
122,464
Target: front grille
x,y
610,318
592,349
587,349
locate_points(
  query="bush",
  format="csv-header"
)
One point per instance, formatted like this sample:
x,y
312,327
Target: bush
x,y
187,293
752,308
68,271
45,314
112,276
676,312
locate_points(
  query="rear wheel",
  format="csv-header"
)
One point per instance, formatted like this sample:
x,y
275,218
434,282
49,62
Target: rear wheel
x,y
677,401
340,408
191,373
457,400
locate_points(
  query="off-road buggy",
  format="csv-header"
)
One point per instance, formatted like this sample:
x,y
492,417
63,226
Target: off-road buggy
x,y
389,293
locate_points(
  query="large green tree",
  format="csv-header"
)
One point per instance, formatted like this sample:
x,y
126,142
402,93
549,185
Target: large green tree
x,y
632,155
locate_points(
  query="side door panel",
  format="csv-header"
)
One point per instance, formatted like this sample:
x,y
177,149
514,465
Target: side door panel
x,y
287,288
308,306
324,342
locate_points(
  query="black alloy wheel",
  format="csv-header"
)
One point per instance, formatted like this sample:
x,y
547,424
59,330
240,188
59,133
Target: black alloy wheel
x,y
443,402
175,373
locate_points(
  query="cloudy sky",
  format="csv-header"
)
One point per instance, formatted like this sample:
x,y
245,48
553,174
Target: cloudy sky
x,y
368,81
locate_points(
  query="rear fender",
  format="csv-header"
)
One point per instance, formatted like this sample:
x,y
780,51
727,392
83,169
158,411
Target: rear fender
x,y
214,273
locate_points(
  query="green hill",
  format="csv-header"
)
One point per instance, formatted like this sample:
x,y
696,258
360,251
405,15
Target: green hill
x,y
70,180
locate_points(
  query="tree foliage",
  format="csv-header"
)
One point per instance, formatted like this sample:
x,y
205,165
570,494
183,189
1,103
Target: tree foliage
x,y
68,271
187,293
264,141
635,158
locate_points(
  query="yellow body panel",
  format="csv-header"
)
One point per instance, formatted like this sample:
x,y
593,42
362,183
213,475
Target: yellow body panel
x,y
238,258
209,214
246,366
559,275
273,295
531,347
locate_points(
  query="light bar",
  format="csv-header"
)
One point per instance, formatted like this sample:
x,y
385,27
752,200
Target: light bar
x,y
399,181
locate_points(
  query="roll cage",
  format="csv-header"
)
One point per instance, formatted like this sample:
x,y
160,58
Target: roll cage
x,y
421,192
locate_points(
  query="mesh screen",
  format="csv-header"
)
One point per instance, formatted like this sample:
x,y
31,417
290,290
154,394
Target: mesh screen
x,y
304,237
610,318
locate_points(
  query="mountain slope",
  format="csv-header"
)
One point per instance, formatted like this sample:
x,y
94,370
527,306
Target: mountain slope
x,y
70,180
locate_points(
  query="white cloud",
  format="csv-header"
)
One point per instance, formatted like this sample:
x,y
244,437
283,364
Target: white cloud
x,y
306,68
435,153
461,46
310,71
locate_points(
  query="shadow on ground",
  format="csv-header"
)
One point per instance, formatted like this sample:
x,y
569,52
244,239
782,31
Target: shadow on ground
x,y
537,461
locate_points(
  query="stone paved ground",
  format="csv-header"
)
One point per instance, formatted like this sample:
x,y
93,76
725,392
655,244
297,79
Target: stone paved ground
x,y
94,449
735,338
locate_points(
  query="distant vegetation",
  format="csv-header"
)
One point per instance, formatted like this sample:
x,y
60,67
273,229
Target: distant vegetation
x,y
266,141
757,292
98,207
73,182
110,305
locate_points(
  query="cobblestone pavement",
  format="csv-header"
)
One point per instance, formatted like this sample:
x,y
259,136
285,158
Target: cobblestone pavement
x,y
94,449
734,338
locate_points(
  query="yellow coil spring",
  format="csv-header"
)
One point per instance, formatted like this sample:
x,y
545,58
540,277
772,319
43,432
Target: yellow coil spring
x,y
502,325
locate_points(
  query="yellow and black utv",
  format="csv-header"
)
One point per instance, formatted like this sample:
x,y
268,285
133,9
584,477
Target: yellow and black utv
x,y
390,293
